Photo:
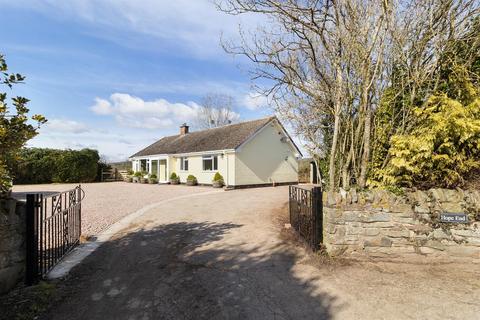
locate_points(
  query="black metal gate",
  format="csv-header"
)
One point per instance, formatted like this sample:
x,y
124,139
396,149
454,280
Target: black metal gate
x,y
306,214
53,229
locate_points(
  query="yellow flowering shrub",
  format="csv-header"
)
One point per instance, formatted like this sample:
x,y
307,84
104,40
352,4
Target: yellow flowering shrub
x,y
442,148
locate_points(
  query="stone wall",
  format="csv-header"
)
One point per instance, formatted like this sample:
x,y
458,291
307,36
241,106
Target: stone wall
x,y
12,243
380,224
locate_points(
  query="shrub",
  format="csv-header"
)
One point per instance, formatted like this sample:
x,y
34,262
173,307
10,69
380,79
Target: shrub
x,y
441,150
173,176
17,126
6,184
218,177
138,174
130,172
77,166
41,165
153,176
191,178
36,165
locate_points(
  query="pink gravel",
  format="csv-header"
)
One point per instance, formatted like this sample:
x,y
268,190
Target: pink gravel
x,y
107,203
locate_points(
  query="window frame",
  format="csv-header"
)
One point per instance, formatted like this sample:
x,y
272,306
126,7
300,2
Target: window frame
x,y
183,163
213,159
143,168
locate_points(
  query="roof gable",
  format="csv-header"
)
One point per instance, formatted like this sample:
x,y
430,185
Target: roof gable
x,y
221,138
279,126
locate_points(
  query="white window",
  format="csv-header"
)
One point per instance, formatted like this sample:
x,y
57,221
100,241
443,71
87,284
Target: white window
x,y
144,165
184,163
210,163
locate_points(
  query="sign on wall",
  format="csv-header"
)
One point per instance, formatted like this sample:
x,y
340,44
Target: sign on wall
x,y
453,217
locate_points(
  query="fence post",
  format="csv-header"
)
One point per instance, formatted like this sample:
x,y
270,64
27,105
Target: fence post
x,y
79,217
290,204
31,274
318,216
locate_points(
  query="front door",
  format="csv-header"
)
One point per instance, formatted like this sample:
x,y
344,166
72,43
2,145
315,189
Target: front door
x,y
162,171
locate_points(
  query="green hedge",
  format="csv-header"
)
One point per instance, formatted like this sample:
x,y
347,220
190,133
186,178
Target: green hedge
x,y
38,165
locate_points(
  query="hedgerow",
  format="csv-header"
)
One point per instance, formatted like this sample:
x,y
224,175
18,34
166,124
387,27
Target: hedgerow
x,y
39,165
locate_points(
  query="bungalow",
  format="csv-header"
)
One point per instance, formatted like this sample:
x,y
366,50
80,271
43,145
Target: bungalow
x,y
252,153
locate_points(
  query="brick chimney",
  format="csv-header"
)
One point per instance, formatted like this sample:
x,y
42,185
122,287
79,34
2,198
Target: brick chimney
x,y
183,129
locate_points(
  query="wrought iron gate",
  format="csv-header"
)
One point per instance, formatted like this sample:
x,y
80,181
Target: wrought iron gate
x,y
53,229
306,214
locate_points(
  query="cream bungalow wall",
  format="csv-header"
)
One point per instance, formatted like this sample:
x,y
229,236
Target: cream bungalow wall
x,y
195,167
266,158
226,166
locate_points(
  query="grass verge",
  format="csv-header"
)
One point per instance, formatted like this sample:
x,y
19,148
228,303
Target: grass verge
x,y
25,303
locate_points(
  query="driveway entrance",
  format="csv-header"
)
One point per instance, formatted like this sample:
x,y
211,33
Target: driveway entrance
x,y
220,256
208,257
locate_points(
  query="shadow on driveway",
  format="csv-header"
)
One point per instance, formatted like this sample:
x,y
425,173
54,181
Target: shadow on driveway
x,y
183,271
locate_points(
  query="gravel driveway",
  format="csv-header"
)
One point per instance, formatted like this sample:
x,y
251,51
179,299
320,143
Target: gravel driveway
x,y
220,256
106,203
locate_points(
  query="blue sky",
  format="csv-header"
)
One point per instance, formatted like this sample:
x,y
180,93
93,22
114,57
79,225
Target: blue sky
x,y
117,75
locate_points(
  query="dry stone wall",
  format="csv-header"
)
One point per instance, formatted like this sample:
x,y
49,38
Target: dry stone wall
x,y
12,243
379,223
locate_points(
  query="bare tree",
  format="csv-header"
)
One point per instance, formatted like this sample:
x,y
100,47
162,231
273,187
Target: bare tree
x,y
216,110
296,54
319,55
329,62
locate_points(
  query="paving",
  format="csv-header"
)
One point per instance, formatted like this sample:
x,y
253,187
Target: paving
x,y
106,203
220,256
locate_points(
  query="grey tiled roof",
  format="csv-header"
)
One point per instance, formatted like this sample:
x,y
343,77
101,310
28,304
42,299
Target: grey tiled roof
x,y
221,138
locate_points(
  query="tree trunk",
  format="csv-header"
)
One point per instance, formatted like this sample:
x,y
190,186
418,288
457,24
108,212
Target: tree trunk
x,y
336,127
362,181
346,172
331,167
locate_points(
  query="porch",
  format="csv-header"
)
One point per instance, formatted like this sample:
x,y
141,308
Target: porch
x,y
159,166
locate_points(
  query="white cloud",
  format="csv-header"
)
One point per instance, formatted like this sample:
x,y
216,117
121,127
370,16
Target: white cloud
x,y
102,107
135,112
254,101
66,126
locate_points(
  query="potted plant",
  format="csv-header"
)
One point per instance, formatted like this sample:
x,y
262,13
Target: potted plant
x,y
217,181
191,180
136,177
144,177
152,179
174,179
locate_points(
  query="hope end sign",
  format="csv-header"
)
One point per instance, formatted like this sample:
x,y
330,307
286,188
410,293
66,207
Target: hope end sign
x,y
454,218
